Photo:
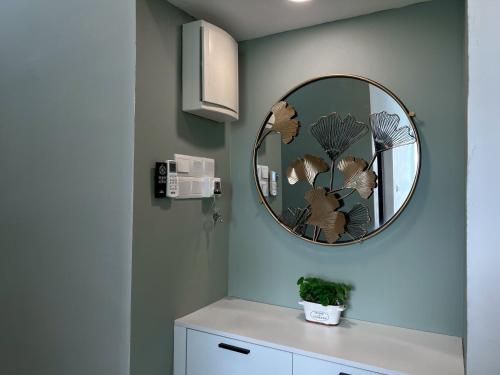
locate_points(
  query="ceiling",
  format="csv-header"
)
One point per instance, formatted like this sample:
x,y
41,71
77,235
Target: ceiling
x,y
249,19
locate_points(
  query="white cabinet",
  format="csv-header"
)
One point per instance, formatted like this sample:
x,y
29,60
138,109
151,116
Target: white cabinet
x,y
209,72
303,365
217,355
238,337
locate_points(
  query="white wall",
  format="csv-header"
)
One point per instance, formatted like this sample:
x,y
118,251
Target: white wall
x,y
483,204
66,164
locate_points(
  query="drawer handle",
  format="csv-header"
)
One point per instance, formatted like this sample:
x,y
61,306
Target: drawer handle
x,y
234,348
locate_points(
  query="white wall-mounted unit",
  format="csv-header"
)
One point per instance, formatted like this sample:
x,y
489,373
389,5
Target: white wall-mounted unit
x,y
195,176
263,176
209,72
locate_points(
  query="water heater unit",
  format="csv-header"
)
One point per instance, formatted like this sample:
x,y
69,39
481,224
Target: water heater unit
x,y
209,72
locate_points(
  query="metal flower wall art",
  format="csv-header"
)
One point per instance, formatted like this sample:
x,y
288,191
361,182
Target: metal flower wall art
x,y
325,212
357,177
282,121
336,135
386,132
306,169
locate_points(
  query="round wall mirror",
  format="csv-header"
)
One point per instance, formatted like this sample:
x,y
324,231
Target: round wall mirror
x,y
337,159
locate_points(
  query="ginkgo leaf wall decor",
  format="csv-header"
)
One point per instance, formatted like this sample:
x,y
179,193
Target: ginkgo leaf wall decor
x,y
344,183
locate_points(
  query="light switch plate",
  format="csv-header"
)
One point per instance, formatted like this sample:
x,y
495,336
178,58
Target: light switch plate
x,y
194,166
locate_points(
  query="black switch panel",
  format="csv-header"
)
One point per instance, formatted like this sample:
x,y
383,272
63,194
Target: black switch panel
x,y
161,180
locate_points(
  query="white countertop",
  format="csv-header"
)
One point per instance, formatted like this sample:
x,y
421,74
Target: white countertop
x,y
381,347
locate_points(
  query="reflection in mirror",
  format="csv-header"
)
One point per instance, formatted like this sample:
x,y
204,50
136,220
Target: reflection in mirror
x,y
337,159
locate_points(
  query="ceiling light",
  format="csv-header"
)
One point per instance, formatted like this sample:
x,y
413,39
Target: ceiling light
x,y
298,1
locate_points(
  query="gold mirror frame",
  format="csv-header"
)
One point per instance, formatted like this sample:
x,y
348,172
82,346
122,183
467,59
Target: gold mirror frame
x,y
409,114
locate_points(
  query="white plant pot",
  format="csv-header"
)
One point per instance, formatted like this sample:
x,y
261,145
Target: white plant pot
x,y
317,313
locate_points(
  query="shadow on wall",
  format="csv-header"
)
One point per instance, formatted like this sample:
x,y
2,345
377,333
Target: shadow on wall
x,y
207,205
199,131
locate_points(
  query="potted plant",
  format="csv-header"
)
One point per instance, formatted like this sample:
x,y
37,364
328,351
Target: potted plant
x,y
323,301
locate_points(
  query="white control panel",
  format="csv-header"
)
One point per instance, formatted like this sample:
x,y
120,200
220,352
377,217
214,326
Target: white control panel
x,y
172,180
273,184
196,177
268,181
263,175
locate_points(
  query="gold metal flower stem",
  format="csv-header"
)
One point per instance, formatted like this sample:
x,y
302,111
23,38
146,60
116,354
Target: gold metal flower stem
x,y
299,220
262,137
348,194
316,235
373,160
352,238
332,173
337,190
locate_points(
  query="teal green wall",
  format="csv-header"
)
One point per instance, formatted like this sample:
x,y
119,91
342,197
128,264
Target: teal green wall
x,y
179,259
67,74
412,274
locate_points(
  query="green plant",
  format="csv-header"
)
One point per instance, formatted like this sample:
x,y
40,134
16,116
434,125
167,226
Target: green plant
x,y
313,289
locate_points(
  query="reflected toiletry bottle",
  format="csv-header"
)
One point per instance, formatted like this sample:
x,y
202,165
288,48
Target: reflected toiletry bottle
x,y
273,188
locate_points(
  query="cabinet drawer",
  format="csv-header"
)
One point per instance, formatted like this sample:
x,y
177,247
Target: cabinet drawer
x,y
209,354
303,365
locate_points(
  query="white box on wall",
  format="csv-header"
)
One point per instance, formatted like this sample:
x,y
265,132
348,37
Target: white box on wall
x,y
209,72
194,166
196,176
